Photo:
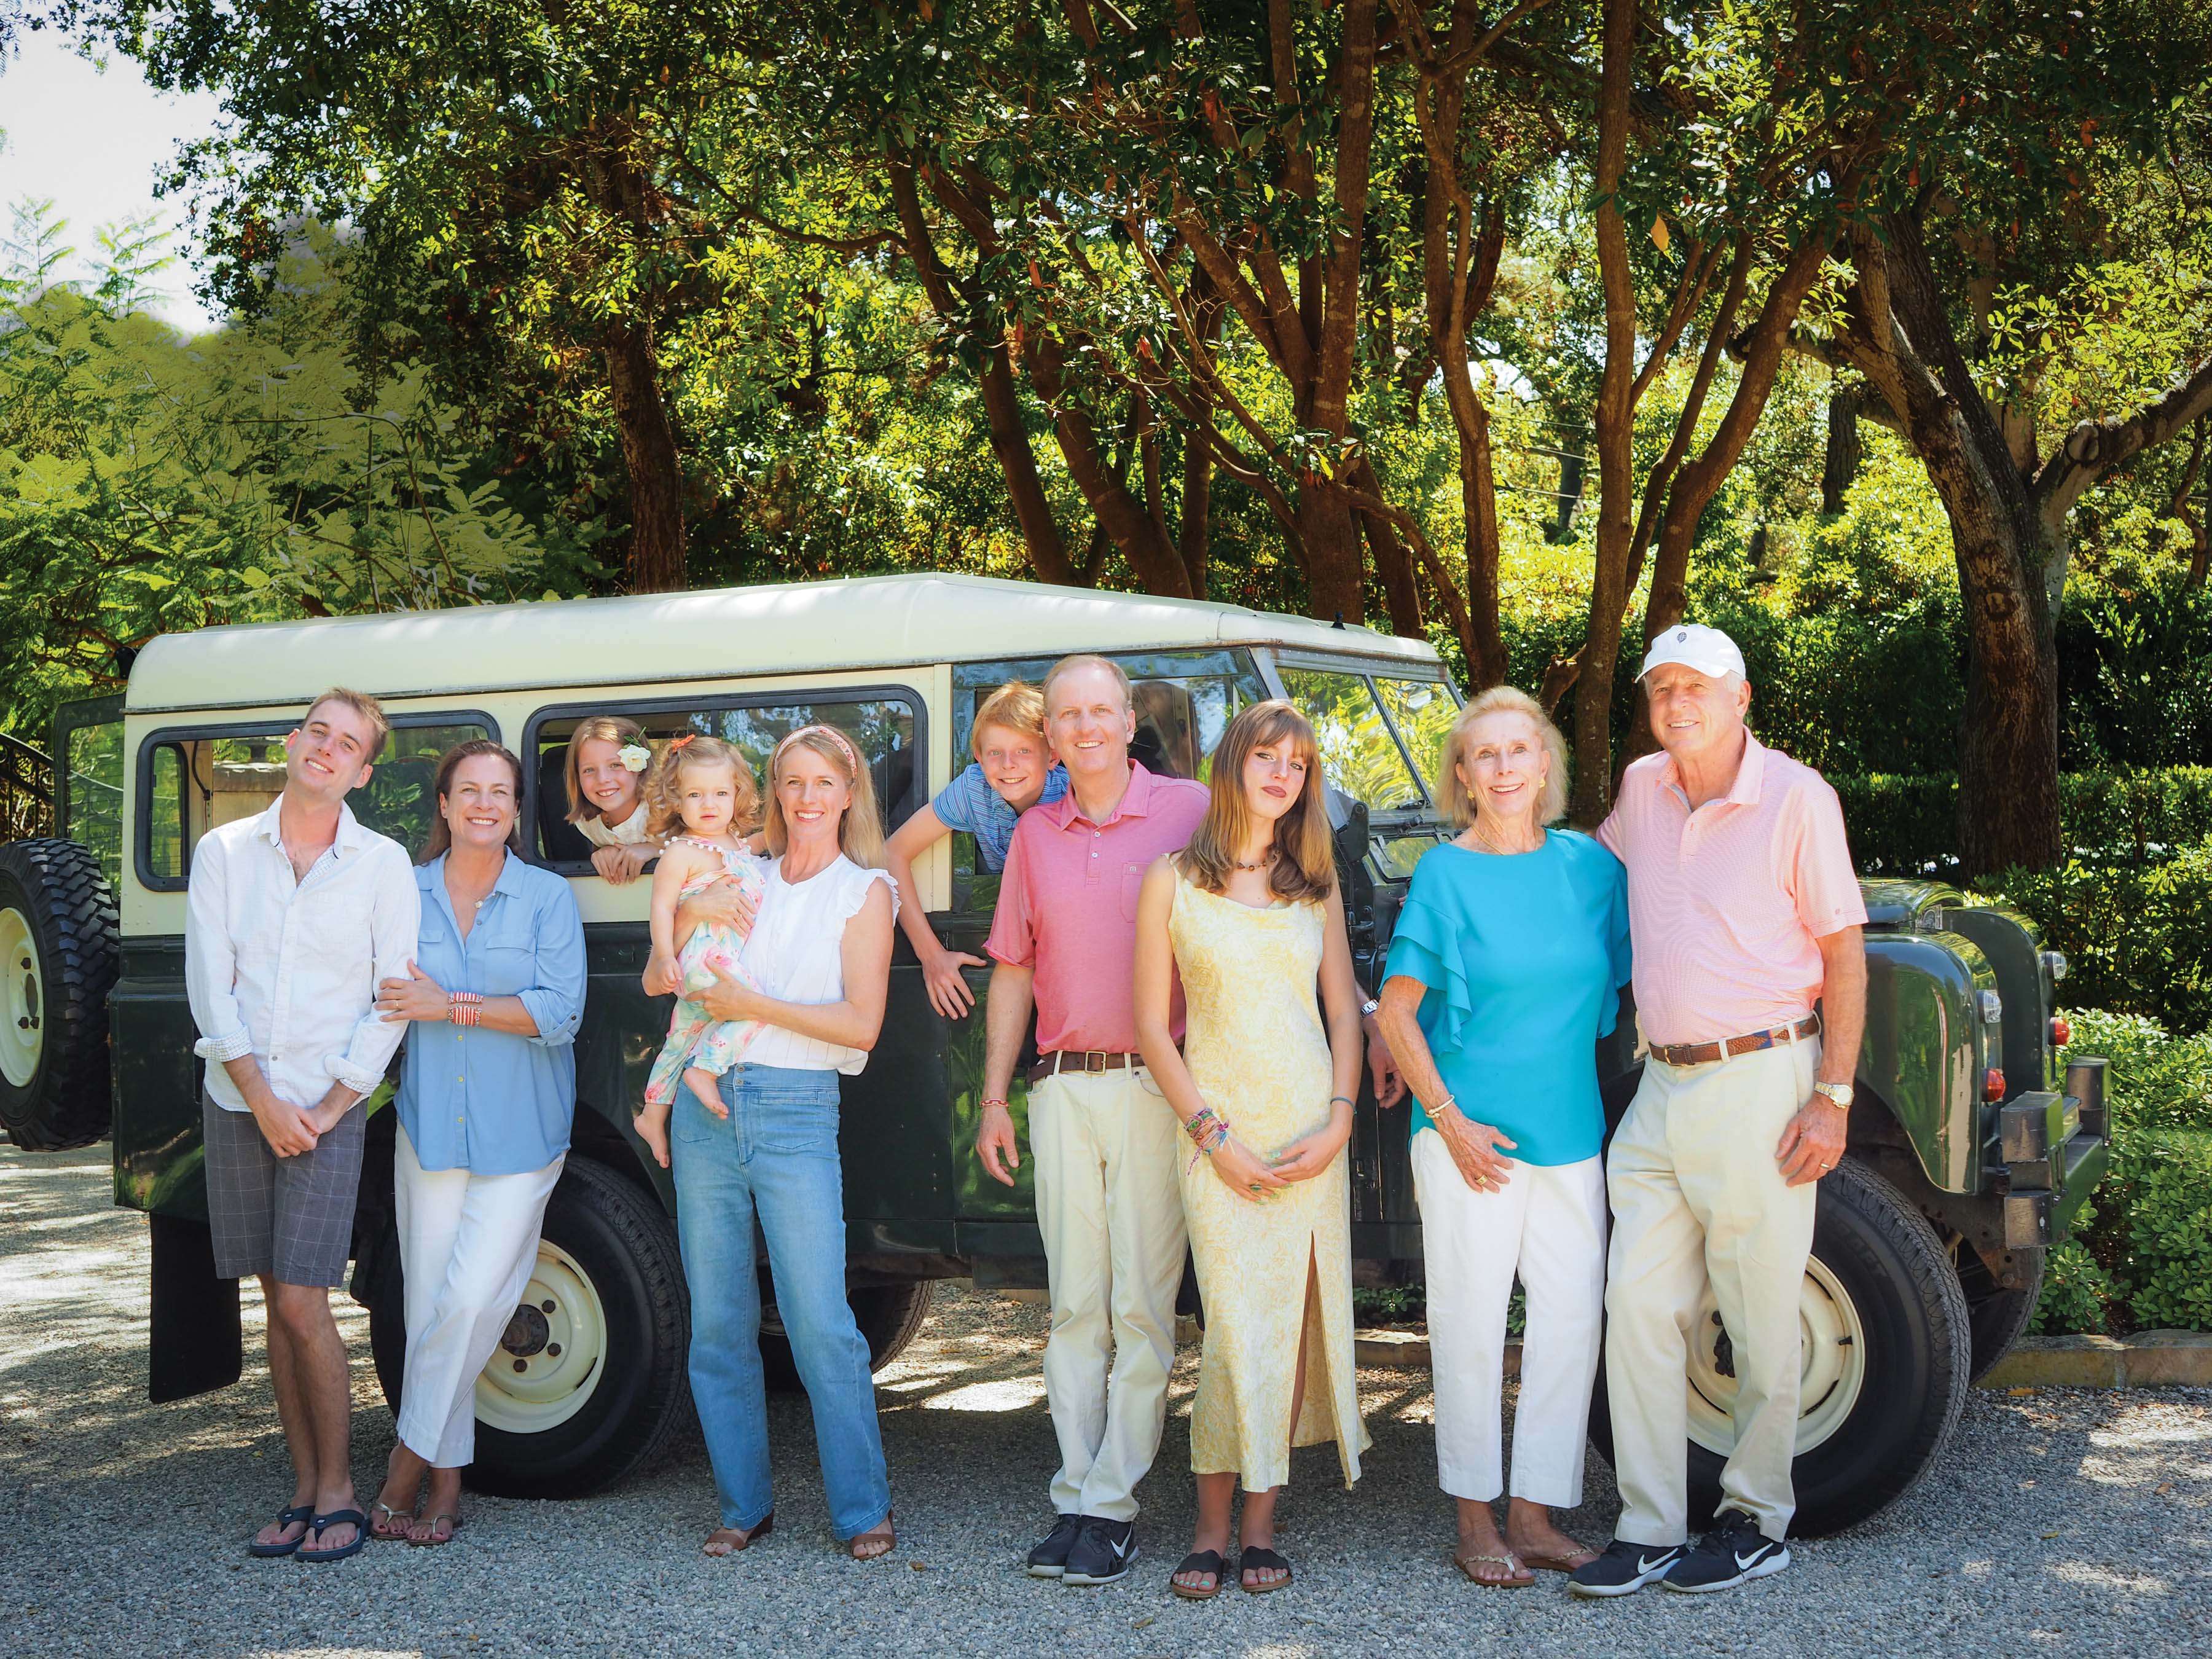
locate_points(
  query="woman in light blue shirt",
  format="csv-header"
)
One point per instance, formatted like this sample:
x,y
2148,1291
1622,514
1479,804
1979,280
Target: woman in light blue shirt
x,y
487,1096
1505,968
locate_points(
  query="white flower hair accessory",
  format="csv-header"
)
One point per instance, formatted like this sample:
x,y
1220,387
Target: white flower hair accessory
x,y
635,756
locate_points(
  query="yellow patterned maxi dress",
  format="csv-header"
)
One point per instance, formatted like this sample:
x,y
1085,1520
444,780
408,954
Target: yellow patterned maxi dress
x,y
1256,1048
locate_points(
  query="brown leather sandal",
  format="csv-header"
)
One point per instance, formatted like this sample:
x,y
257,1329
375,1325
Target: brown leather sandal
x,y
736,1539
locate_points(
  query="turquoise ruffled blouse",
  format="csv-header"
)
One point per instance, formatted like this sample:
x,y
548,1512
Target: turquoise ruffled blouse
x,y
1523,956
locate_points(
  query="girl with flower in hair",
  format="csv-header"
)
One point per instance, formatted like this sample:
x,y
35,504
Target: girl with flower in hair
x,y
607,758
704,800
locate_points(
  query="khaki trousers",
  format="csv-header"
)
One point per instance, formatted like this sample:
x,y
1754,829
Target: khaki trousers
x,y
1698,1198
1110,1210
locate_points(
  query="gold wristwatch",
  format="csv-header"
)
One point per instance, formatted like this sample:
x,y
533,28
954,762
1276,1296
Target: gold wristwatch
x,y
1838,1094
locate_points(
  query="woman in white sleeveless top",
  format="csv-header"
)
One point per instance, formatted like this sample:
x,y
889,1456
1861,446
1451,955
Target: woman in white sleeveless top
x,y
821,953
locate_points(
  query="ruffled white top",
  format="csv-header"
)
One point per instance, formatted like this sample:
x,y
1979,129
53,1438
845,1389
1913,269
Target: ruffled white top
x,y
631,830
797,954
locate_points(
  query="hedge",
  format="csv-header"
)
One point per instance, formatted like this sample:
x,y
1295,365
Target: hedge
x,y
2142,1256
1905,824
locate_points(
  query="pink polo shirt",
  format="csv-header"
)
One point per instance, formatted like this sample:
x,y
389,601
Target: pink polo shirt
x,y
1067,908
1725,903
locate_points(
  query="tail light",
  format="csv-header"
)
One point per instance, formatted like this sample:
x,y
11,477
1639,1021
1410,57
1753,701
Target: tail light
x,y
2061,1030
1993,1085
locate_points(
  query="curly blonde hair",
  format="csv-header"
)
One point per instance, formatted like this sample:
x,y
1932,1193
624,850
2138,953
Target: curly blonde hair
x,y
663,784
1452,797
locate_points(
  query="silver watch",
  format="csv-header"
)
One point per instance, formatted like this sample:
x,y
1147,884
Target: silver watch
x,y
1838,1094
1370,1006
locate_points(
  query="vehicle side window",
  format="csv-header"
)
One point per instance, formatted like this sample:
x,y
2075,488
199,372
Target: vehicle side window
x,y
1185,700
190,783
1423,711
885,725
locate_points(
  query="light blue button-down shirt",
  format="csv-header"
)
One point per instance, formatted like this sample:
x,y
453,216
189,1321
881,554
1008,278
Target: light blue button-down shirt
x,y
485,1101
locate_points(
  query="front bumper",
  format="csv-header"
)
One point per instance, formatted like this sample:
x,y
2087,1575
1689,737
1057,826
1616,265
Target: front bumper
x,y
2051,1153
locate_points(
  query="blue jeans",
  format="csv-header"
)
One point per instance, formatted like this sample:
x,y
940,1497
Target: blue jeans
x,y
775,1156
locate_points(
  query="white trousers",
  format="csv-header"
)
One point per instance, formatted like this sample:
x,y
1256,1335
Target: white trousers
x,y
1698,1198
1547,1224
1111,1208
467,1243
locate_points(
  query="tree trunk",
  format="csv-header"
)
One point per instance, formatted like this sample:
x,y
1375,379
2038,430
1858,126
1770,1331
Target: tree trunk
x,y
2008,738
1394,568
1336,591
1615,430
1154,561
1002,410
1839,467
648,446
1194,533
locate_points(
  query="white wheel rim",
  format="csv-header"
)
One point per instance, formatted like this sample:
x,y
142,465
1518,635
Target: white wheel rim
x,y
22,1000
1832,1373
555,1348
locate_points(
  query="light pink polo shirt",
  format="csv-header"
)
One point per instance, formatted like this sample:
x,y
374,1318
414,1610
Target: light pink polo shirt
x,y
1067,908
1725,903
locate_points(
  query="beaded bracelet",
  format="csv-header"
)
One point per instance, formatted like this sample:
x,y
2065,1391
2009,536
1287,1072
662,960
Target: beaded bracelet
x,y
986,1105
464,1008
1201,1123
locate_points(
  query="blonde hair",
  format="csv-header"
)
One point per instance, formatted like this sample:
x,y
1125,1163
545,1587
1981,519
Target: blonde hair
x,y
1017,706
664,784
1086,659
861,832
1452,797
361,704
1305,868
599,728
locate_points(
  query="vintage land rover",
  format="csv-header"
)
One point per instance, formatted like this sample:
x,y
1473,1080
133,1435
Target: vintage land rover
x,y
1969,1155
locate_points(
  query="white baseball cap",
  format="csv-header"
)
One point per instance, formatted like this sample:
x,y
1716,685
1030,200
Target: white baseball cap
x,y
1694,646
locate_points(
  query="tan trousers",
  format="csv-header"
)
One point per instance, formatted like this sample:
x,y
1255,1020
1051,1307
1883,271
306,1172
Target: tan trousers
x,y
1111,1212
1698,1197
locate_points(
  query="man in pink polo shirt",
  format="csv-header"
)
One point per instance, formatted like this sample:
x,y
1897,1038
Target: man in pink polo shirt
x,y
1065,936
1744,911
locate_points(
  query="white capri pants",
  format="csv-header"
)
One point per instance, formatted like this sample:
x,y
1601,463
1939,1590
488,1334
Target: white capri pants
x,y
467,1243
1547,1222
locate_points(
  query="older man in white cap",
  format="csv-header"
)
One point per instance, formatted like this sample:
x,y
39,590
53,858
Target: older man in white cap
x,y
1744,911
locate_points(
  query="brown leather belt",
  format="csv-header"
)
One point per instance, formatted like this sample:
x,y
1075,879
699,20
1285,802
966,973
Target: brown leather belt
x,y
1704,1053
1082,1059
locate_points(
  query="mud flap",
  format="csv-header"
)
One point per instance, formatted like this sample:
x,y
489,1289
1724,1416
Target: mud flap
x,y
195,1344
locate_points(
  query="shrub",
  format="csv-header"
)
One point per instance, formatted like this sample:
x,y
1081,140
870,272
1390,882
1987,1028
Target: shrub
x,y
2135,938
1907,823
2076,1292
2170,1230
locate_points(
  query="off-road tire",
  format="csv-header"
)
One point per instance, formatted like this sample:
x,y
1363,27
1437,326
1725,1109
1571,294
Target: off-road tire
x,y
1918,1352
625,1242
1998,1316
58,911
889,1317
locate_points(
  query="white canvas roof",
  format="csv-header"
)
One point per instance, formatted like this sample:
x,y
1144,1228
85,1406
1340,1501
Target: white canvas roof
x,y
866,622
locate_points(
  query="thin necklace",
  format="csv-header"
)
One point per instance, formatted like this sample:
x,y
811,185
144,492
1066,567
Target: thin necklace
x,y
1484,837
1266,858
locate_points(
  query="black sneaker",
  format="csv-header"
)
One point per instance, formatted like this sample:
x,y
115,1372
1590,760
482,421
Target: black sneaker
x,y
1732,1552
1624,1568
1103,1551
1049,1559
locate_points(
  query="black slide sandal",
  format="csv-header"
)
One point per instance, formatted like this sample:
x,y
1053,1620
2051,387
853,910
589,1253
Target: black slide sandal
x,y
1255,1559
284,1518
1199,1561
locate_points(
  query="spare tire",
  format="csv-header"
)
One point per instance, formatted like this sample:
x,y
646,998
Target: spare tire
x,y
60,949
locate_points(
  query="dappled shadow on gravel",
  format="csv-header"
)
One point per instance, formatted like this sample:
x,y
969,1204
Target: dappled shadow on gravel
x,y
2056,1522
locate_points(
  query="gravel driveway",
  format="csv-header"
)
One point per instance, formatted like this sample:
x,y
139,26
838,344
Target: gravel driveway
x,y
2058,1522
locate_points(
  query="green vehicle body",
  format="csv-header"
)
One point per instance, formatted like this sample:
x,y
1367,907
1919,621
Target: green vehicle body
x,y
1960,991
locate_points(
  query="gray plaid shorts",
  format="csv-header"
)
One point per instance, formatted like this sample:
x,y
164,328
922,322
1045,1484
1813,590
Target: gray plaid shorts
x,y
290,1217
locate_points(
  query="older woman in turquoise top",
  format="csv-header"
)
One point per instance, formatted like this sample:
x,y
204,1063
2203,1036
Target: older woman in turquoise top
x,y
1505,968
487,1096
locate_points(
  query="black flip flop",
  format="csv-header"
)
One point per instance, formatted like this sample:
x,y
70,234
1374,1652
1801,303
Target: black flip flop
x,y
1199,1561
335,1518
1255,1559
284,1518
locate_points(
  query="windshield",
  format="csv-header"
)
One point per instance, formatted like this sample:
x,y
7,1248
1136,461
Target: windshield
x,y
1423,711
1359,756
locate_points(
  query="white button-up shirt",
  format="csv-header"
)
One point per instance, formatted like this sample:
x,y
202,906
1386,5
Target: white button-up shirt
x,y
286,970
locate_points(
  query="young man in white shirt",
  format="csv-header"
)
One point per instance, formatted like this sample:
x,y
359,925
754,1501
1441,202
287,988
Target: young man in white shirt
x,y
293,917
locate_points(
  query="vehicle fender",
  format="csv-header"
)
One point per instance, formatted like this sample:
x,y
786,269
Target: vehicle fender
x,y
1922,1056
